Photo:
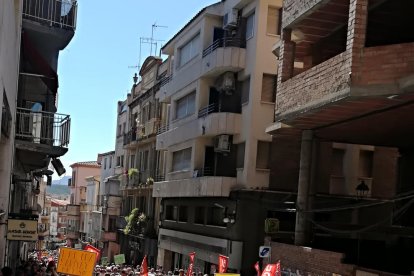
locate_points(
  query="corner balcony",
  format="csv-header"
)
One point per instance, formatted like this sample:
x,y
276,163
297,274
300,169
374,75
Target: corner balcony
x,y
41,135
209,123
201,185
143,134
225,54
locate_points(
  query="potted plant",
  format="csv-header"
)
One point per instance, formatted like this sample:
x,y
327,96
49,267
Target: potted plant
x,y
150,181
133,175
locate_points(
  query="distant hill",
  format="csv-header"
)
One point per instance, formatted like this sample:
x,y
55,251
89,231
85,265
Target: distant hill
x,y
58,190
62,181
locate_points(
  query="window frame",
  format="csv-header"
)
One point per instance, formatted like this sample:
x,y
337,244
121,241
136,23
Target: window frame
x,y
186,99
187,164
251,17
193,52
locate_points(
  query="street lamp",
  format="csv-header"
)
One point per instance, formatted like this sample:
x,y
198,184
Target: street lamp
x,y
135,78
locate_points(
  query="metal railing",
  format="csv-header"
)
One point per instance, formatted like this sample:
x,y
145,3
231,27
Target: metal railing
x,y
225,42
42,127
56,13
165,80
163,128
211,108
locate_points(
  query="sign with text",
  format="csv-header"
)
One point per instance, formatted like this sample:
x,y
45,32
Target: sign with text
x,y
264,251
22,230
76,262
119,259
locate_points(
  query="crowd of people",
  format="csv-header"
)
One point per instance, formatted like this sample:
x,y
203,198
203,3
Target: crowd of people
x,y
117,270
32,267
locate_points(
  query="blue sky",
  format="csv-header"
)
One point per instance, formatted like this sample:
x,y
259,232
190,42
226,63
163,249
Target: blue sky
x,y
93,69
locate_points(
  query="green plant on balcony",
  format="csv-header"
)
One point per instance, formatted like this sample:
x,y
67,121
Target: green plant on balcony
x,y
150,181
136,223
133,176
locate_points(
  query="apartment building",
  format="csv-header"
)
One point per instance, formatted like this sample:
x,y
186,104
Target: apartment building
x,y
93,214
218,98
342,115
109,205
144,120
78,209
33,134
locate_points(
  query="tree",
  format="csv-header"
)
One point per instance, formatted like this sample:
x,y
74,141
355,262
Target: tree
x,y
136,221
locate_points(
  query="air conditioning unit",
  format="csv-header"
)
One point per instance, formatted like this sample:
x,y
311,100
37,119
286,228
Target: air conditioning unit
x,y
271,226
230,19
222,143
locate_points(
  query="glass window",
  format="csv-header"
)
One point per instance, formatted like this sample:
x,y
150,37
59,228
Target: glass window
x,y
182,160
263,155
132,161
183,214
250,26
199,214
240,155
215,216
245,91
110,161
189,50
171,212
105,163
185,106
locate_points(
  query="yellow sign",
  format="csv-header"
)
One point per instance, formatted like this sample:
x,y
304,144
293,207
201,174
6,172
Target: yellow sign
x,y
76,262
21,230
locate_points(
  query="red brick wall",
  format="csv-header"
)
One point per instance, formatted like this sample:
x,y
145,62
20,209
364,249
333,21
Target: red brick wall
x,y
384,64
315,86
306,261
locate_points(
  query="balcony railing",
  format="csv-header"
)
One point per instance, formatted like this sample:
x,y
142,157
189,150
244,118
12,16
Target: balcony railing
x,y
55,13
211,108
165,80
163,128
224,42
41,127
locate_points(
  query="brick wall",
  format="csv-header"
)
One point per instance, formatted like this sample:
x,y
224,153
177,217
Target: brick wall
x,y
308,260
384,64
315,86
294,9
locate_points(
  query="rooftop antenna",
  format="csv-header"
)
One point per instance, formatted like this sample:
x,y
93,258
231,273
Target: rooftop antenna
x,y
155,26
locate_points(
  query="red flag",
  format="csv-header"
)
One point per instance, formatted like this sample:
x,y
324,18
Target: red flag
x,y
95,250
278,269
191,265
272,270
257,267
144,267
223,263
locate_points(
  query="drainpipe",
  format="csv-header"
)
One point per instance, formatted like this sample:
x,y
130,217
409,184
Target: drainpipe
x,y
305,189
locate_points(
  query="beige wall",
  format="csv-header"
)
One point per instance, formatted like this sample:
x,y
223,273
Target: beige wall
x,y
81,173
256,115
10,25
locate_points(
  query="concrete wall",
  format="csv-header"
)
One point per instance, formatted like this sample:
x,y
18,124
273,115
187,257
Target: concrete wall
x,y
10,25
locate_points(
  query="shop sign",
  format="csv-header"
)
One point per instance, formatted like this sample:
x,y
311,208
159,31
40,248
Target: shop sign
x,y
22,230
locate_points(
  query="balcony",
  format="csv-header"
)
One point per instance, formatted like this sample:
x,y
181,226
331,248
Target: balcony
x,y
200,186
225,54
210,122
146,131
53,13
139,181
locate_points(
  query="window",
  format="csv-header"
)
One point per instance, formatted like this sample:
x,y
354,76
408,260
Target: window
x,y
273,21
185,106
132,161
110,161
183,214
245,91
171,212
189,50
119,130
6,117
263,155
124,127
122,161
199,214
215,216
269,88
250,26
240,155
118,161
144,163
105,163
181,160
112,225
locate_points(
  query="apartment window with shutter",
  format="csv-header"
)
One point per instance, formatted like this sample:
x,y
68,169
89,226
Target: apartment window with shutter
x,y
183,214
132,161
245,91
122,161
263,155
250,26
105,163
171,213
189,50
182,160
240,155
144,164
269,88
273,21
110,161
185,106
